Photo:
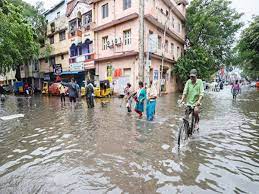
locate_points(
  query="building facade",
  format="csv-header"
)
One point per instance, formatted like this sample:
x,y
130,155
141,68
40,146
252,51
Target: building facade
x,y
54,55
99,39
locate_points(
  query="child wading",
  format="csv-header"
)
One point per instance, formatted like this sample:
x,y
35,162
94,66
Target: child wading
x,y
151,101
140,98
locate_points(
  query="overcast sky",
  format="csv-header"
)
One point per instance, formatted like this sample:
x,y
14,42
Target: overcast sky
x,y
248,7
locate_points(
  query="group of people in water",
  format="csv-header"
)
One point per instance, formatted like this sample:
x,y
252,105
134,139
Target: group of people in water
x,y
74,90
148,93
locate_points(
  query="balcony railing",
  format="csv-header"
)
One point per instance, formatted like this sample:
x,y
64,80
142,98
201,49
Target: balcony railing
x,y
82,58
74,33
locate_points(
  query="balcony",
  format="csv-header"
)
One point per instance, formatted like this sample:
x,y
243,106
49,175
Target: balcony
x,y
82,58
75,33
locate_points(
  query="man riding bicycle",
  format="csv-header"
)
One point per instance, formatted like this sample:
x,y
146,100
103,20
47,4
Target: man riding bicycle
x,y
193,93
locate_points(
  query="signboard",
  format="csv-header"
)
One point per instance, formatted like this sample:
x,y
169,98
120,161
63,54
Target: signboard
x,y
46,77
89,65
57,69
152,43
156,74
76,66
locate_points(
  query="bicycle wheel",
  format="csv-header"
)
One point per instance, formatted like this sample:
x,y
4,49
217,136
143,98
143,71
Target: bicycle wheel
x,y
182,135
180,132
190,132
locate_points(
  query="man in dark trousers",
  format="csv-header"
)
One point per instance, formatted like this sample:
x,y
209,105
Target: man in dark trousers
x,y
89,94
72,90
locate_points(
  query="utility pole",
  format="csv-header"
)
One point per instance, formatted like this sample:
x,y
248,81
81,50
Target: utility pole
x,y
141,41
163,51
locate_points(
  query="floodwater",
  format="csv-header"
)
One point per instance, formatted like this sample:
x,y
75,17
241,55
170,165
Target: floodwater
x,y
63,149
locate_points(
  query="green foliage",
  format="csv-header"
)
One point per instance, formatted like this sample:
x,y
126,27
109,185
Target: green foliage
x,y
211,26
248,49
19,34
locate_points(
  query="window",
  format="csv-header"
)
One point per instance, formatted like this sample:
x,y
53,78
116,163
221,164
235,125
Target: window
x,y
126,4
58,14
172,21
62,35
73,50
72,25
159,42
52,27
105,10
127,72
52,61
62,57
51,39
127,37
172,48
166,46
178,51
87,18
79,49
42,43
36,66
179,28
104,42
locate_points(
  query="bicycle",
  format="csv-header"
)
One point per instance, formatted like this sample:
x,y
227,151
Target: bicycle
x,y
186,130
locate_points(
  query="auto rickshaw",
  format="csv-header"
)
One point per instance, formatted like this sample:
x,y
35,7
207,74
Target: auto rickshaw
x,y
103,90
45,88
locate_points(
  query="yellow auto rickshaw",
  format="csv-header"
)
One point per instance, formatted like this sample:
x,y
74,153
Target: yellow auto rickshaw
x,y
45,88
103,89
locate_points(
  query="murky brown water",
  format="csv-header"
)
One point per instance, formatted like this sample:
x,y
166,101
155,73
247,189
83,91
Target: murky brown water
x,y
59,149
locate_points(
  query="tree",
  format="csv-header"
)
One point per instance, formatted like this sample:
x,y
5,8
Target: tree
x,y
211,26
19,34
248,49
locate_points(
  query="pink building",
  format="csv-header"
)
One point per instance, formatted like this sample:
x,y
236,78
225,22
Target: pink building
x,y
103,39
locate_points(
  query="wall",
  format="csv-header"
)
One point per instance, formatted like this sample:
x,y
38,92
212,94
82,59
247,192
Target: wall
x,y
122,63
115,10
51,16
153,7
117,31
169,54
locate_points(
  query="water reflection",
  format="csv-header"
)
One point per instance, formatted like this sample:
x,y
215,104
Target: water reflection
x,y
62,149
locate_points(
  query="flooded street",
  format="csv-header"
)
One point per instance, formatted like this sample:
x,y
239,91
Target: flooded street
x,y
60,149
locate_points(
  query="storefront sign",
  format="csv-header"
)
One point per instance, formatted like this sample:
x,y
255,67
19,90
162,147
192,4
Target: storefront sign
x,y
46,77
76,66
89,65
57,69
155,74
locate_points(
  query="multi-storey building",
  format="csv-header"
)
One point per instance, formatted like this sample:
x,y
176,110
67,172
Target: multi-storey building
x,y
54,52
81,39
99,39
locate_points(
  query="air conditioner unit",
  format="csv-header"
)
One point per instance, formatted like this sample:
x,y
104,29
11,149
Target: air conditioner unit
x,y
110,43
117,41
